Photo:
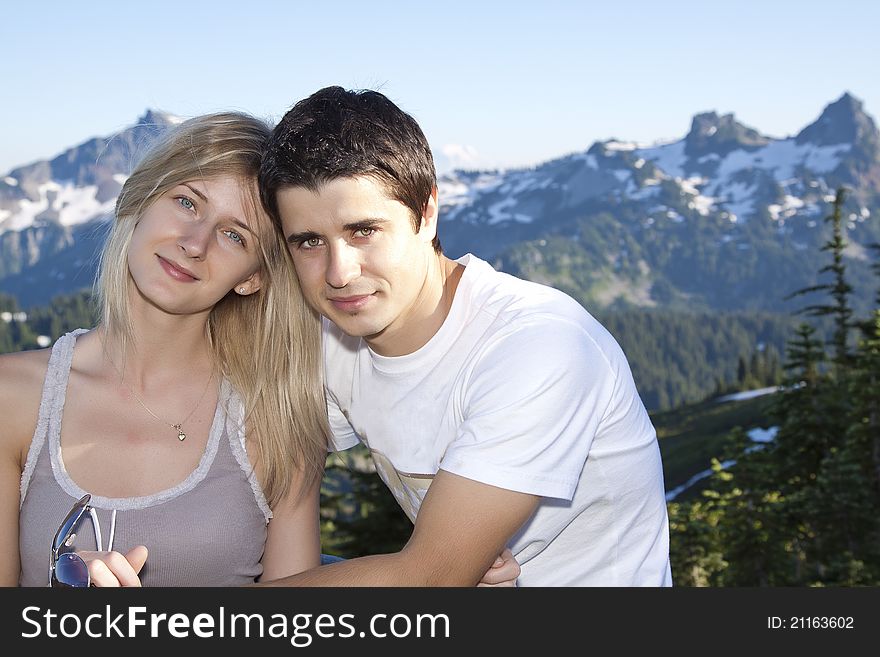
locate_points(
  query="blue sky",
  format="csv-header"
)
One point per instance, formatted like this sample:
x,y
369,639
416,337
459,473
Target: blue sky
x,y
493,84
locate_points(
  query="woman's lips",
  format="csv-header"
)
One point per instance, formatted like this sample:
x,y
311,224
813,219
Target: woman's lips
x,y
176,272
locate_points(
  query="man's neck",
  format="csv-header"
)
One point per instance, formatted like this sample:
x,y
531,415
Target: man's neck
x,y
428,313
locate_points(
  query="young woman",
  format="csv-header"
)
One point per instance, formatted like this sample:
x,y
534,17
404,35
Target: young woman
x,y
194,413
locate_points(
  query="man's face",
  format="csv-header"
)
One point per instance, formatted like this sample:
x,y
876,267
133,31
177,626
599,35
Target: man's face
x,y
358,259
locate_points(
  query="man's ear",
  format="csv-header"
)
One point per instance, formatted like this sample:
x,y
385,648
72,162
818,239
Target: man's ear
x,y
249,285
430,216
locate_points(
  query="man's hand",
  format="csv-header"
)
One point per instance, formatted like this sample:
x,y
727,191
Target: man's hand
x,y
503,572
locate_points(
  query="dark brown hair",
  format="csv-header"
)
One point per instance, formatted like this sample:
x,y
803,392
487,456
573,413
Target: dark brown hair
x,y
337,133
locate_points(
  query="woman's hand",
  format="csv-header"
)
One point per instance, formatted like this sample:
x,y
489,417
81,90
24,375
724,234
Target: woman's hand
x,y
503,572
113,569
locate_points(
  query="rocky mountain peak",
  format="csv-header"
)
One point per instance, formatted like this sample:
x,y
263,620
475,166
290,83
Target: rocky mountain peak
x,y
842,122
720,134
157,118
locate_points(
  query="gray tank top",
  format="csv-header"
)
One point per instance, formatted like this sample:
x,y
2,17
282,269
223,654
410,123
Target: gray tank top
x,y
208,530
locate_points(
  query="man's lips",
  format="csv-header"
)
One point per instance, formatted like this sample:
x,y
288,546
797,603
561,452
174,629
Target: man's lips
x,y
175,271
351,302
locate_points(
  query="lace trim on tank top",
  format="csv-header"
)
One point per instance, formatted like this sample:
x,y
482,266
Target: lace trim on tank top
x,y
56,378
49,428
235,428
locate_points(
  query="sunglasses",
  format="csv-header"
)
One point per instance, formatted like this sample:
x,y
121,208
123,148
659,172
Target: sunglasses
x,y
66,568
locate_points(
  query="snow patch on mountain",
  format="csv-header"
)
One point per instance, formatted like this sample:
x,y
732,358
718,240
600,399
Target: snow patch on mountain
x,y
65,204
759,437
669,158
454,191
615,145
499,194
789,207
501,211
782,160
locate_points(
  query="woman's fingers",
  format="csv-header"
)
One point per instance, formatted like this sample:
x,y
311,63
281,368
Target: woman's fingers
x,y
112,569
137,557
101,575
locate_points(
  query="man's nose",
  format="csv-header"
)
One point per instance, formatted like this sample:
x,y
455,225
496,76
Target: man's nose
x,y
343,267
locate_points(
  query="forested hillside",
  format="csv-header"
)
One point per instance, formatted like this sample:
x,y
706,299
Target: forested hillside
x,y
803,508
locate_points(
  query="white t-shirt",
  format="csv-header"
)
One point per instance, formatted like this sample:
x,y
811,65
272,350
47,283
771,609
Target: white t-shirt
x,y
522,389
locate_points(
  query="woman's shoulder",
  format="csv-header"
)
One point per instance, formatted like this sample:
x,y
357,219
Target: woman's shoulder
x,y
21,384
23,369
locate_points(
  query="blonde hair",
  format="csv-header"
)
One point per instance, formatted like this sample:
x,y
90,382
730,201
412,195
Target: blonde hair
x,y
267,343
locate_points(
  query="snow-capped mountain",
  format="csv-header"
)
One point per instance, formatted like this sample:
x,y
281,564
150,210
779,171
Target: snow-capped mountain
x,y
725,217
78,185
720,166
53,212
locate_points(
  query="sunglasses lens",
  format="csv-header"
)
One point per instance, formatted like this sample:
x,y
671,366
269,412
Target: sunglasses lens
x,y
70,571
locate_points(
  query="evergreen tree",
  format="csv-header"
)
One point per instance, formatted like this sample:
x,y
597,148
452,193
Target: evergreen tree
x,y
799,409
866,391
696,549
876,268
742,371
803,509
756,528
8,303
846,504
839,289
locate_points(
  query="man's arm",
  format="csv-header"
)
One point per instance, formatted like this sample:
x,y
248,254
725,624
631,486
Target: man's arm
x,y
462,526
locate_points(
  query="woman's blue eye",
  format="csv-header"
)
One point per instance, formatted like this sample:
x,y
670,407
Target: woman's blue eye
x,y
186,203
235,237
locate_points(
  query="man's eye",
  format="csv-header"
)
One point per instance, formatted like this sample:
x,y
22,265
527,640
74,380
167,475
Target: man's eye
x,y
365,232
311,243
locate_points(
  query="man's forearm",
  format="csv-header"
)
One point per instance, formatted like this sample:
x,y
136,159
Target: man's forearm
x,y
395,569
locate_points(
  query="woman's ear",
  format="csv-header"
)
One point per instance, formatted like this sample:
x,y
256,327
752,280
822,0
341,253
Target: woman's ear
x,y
250,285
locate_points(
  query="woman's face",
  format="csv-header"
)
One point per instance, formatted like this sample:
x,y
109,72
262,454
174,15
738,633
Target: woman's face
x,y
193,245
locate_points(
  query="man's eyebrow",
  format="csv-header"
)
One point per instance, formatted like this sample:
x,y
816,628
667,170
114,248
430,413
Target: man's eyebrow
x,y
196,192
354,226
369,222
295,238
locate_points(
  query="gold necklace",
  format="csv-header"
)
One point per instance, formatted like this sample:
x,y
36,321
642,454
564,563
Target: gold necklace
x,y
178,427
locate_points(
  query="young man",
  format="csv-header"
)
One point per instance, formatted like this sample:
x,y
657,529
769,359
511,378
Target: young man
x,y
498,411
